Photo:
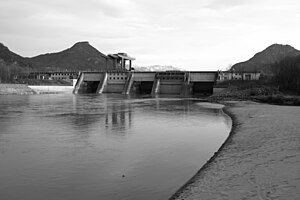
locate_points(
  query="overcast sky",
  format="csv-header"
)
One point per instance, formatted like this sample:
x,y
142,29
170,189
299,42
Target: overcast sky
x,y
190,34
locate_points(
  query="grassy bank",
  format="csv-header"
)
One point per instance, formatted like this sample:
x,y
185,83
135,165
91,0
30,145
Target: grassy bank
x,y
47,82
258,91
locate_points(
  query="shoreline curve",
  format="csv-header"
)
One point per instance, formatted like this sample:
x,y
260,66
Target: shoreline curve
x,y
225,110
260,159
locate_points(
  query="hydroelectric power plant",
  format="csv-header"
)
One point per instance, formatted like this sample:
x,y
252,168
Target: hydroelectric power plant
x,y
128,81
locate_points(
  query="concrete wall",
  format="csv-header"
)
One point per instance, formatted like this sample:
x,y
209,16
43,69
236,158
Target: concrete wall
x,y
144,76
117,78
115,82
202,76
89,76
114,88
170,87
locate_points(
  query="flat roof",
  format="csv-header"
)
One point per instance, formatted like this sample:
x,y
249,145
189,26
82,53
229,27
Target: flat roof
x,y
121,56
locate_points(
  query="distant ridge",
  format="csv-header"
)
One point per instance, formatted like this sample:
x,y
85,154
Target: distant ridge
x,y
10,57
84,57
263,60
81,56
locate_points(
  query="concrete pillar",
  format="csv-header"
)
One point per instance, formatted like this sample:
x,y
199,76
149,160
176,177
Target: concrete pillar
x,y
102,85
106,60
123,63
129,65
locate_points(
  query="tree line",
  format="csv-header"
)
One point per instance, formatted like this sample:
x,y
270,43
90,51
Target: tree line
x,y
287,74
10,72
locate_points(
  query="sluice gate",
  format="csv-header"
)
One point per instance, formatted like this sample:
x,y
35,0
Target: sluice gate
x,y
128,82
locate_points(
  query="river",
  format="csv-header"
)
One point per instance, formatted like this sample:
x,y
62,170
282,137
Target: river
x,y
110,147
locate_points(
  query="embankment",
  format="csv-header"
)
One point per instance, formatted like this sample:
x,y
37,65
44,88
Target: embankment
x,y
259,160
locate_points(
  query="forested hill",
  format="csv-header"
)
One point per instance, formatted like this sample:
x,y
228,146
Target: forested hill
x,y
264,60
81,56
9,57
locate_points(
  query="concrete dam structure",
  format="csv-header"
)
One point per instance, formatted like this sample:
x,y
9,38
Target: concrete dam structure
x,y
130,82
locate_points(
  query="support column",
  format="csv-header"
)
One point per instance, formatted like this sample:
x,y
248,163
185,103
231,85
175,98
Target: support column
x,y
102,85
156,86
79,81
123,63
128,83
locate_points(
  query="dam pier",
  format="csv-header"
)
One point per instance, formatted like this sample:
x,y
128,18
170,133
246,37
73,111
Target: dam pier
x,y
184,83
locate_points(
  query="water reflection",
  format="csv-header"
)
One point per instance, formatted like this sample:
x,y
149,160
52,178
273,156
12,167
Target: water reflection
x,y
118,117
119,114
104,111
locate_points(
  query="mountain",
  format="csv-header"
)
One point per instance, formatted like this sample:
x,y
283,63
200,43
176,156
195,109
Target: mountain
x,y
264,60
157,68
81,56
10,57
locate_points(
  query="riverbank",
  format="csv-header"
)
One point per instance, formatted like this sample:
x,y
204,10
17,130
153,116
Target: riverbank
x,y
21,89
253,91
259,160
51,89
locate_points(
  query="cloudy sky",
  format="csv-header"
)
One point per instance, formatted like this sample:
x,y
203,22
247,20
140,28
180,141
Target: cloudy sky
x,y
190,34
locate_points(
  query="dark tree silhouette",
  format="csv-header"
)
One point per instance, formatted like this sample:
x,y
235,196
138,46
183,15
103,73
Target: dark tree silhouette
x,y
287,74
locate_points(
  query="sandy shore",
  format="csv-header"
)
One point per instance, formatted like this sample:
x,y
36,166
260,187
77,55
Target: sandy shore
x,y
259,160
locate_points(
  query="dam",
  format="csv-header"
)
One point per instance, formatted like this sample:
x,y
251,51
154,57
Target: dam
x,y
183,83
120,77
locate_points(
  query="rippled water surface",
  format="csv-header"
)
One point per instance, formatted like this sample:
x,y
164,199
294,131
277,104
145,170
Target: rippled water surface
x,y
64,146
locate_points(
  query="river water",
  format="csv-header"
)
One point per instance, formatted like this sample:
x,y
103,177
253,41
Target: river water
x,y
110,147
